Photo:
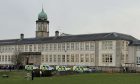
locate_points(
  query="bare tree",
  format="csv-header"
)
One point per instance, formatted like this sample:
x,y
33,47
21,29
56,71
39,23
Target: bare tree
x,y
17,59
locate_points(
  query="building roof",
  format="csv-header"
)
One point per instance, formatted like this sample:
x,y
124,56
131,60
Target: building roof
x,y
70,38
135,43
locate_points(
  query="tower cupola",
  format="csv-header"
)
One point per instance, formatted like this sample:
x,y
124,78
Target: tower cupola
x,y
42,15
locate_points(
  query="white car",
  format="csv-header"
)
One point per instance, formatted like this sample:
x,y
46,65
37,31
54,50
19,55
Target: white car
x,y
62,68
46,67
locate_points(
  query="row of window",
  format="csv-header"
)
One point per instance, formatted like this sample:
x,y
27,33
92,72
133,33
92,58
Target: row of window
x,y
68,58
51,47
5,58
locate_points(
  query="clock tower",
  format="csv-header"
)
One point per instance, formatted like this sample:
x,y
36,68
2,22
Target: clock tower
x,y
42,25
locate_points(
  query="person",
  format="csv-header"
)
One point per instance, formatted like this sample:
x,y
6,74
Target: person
x,y
32,75
40,73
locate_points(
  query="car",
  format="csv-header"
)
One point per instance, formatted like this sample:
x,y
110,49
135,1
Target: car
x,y
62,68
46,67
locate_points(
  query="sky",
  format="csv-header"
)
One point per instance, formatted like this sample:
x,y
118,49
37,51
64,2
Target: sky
x,y
70,16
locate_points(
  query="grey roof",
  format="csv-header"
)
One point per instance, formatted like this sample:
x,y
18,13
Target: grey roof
x,y
135,43
70,38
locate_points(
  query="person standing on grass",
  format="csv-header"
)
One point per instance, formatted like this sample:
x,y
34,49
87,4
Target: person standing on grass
x,y
40,73
32,75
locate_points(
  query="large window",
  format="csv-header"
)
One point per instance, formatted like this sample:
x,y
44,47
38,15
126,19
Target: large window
x,y
63,58
68,58
50,58
72,57
87,58
35,48
68,46
92,57
87,46
107,58
46,47
3,58
72,46
76,46
138,60
82,46
55,47
81,58
59,58
59,46
107,45
46,58
92,46
42,58
63,46
54,58
77,58
50,47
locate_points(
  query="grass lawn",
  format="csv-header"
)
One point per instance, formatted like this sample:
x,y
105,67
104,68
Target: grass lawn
x,y
94,78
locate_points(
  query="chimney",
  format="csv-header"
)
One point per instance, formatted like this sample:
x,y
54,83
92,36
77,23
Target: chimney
x,y
56,33
21,36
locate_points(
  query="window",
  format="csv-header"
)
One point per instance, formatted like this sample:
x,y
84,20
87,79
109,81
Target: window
x,y
72,46
63,46
76,46
30,48
107,45
43,47
87,58
42,58
63,58
68,58
54,56
138,60
77,58
82,46
9,58
35,47
46,47
59,58
91,57
87,46
26,47
92,46
68,46
107,58
50,47
6,58
46,58
72,57
39,47
3,58
81,58
59,46
55,47
50,58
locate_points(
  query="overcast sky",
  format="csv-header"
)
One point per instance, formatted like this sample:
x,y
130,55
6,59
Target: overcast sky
x,y
70,16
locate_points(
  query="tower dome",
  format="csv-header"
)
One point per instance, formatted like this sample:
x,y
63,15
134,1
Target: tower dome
x,y
42,15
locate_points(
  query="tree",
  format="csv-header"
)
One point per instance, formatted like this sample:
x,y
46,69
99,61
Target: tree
x,y
18,59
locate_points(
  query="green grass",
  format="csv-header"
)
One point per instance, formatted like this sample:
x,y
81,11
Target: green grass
x,y
94,78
